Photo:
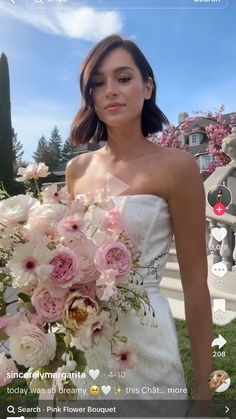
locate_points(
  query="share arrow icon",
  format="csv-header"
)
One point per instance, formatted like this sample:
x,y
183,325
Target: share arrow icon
x,y
220,341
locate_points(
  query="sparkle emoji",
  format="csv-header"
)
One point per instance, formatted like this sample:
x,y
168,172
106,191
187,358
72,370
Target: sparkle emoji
x,y
94,390
118,390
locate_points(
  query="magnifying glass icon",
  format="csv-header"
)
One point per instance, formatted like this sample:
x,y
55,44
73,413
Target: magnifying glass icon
x,y
11,409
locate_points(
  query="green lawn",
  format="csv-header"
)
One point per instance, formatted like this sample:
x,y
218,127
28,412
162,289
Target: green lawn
x,y
228,363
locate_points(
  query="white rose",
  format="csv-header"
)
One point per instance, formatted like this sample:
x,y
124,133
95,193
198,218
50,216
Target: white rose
x,y
17,208
31,347
52,213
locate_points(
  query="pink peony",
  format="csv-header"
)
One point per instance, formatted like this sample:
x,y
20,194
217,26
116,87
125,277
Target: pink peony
x,y
77,309
7,369
112,222
88,289
93,329
123,356
65,267
47,306
114,255
32,171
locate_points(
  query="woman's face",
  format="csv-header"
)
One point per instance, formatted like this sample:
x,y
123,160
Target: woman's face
x,y
119,81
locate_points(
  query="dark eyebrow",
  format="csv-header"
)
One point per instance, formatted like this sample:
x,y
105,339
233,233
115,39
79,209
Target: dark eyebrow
x,y
115,70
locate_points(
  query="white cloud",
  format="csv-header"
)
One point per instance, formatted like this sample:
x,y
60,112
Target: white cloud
x,y
81,22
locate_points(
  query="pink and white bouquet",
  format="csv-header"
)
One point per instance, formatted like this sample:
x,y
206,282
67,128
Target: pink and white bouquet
x,y
74,271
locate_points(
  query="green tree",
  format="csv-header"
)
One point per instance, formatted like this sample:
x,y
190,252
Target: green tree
x,y
17,147
6,148
42,153
67,152
55,147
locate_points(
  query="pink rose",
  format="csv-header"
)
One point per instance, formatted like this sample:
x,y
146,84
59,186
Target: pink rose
x,y
65,267
7,368
89,290
85,251
112,222
46,305
114,255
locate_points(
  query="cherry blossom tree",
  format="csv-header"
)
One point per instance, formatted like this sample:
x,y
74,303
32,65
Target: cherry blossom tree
x,y
217,129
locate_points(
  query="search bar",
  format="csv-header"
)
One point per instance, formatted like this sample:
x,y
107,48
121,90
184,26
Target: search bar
x,y
136,4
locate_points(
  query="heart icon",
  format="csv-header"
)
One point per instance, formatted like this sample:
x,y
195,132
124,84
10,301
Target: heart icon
x,y
106,389
94,374
219,233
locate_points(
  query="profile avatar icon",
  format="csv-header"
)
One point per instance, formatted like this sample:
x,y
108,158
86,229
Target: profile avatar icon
x,y
219,194
219,381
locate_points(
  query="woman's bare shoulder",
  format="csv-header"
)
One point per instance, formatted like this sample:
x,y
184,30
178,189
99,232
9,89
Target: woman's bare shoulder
x,y
76,164
178,166
178,160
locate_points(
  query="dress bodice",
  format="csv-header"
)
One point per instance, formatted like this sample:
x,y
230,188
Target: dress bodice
x,y
146,219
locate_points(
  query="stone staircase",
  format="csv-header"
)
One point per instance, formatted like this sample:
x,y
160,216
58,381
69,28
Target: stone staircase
x,y
171,287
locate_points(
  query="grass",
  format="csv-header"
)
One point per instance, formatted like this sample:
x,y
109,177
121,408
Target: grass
x,y
228,363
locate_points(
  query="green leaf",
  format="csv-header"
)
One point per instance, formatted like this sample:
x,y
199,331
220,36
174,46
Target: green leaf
x,y
3,335
79,358
24,297
57,361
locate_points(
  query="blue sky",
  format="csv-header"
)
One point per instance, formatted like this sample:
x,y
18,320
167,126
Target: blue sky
x,y
190,45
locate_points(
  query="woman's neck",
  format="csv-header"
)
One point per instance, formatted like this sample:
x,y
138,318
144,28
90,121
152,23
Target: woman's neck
x,y
122,142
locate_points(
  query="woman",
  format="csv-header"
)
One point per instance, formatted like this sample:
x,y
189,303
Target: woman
x,y
164,194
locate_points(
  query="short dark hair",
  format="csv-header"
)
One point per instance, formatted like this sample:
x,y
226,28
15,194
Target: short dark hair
x,y
86,125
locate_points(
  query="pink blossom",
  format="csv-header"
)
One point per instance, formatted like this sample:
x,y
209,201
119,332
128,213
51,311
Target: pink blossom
x,y
97,198
123,356
47,306
112,222
85,251
71,227
29,263
65,267
7,368
53,195
106,285
114,255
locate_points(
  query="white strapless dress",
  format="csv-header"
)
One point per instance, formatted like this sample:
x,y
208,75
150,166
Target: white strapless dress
x,y
147,221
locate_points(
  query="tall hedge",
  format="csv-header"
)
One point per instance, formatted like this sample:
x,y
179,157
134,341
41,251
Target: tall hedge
x,y
6,149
